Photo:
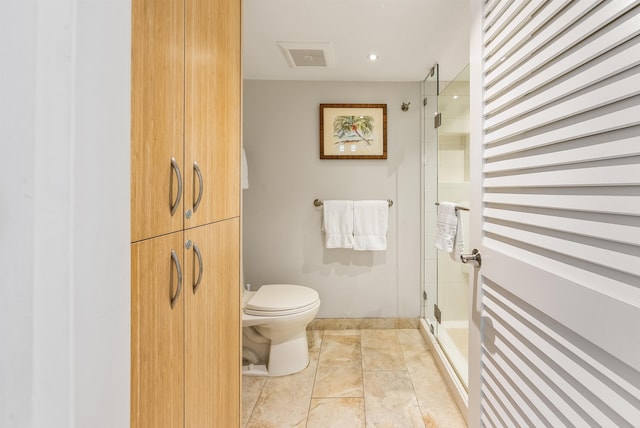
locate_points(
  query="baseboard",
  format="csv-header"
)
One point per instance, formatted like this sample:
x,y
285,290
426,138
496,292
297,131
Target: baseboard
x,y
363,323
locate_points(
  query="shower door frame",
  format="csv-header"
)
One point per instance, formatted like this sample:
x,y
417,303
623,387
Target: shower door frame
x,y
429,281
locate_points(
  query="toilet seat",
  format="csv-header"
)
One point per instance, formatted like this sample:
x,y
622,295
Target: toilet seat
x,y
281,299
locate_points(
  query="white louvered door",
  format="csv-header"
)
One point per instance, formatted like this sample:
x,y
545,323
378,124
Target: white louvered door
x,y
557,205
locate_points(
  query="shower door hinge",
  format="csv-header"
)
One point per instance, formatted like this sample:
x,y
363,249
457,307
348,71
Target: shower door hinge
x,y
437,314
437,120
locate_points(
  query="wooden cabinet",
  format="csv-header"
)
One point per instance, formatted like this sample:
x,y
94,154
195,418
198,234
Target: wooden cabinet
x,y
185,207
185,108
212,110
212,355
157,332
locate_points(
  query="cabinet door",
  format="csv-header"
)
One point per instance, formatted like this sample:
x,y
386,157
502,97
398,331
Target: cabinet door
x,y
157,332
157,116
213,359
213,109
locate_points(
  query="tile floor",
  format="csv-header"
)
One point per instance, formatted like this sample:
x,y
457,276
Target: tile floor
x,y
355,378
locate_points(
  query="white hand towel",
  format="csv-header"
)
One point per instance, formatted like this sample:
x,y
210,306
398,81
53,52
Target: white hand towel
x,y
370,223
447,226
458,240
337,223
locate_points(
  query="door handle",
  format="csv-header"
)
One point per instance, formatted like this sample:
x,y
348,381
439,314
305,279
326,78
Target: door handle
x,y
196,203
474,258
196,284
173,205
176,262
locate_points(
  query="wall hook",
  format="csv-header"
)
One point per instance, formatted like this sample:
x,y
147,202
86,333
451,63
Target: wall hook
x,y
405,106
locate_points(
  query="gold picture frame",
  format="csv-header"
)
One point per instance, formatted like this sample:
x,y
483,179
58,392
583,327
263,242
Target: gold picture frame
x,y
353,131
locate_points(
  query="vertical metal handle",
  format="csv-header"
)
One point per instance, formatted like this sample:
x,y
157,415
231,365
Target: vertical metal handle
x,y
196,203
174,204
196,284
176,262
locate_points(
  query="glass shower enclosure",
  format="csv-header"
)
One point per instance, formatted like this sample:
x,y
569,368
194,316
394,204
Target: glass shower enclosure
x,y
446,178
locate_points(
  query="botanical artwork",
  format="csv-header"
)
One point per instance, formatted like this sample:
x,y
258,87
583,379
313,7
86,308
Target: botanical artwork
x,y
353,131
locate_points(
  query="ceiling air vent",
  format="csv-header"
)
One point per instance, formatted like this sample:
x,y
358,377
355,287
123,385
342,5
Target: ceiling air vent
x,y
307,54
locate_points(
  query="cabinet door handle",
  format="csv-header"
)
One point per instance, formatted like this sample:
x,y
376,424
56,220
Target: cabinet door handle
x,y
176,262
196,284
196,203
174,204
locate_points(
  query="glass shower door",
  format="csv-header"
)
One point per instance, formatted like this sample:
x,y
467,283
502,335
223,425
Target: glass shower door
x,y
452,125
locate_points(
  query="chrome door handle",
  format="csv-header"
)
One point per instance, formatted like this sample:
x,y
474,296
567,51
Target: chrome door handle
x,y
176,262
196,284
474,258
196,203
174,204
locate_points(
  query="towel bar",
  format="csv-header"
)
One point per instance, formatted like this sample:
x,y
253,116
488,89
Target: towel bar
x,y
457,207
318,202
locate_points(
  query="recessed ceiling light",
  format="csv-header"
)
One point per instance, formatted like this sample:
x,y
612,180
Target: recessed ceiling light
x,y
373,57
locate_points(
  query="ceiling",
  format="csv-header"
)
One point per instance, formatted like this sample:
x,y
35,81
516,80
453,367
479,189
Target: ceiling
x,y
409,36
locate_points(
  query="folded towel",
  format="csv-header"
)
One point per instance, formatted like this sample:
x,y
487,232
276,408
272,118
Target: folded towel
x,y
446,226
370,225
337,223
458,240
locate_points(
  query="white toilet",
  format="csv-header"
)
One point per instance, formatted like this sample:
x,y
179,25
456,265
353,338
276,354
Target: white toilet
x,y
274,329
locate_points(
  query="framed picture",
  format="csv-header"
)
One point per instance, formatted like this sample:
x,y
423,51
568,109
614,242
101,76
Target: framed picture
x,y
353,131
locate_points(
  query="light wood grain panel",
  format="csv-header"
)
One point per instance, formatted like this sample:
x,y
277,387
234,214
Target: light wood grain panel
x,y
157,334
157,104
213,108
212,365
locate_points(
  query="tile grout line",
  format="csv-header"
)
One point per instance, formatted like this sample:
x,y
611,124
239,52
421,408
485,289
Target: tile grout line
x,y
364,393
315,376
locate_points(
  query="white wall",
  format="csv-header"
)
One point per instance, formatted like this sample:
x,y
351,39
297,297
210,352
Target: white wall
x,y
64,315
282,238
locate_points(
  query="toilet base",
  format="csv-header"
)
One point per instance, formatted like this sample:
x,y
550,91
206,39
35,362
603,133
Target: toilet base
x,y
255,370
285,358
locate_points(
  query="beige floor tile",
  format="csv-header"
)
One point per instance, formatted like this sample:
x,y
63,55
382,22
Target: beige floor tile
x,y
340,348
390,401
400,387
412,344
336,412
338,379
436,401
340,368
251,388
381,350
284,401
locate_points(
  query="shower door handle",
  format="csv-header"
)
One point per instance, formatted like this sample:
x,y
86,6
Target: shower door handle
x,y
474,258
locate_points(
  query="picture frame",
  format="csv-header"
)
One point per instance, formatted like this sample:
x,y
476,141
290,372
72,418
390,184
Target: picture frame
x,y
353,131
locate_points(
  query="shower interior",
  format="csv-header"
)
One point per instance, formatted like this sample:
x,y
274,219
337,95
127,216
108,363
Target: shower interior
x,y
445,177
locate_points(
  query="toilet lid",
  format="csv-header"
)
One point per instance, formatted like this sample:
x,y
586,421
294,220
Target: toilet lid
x,y
281,298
